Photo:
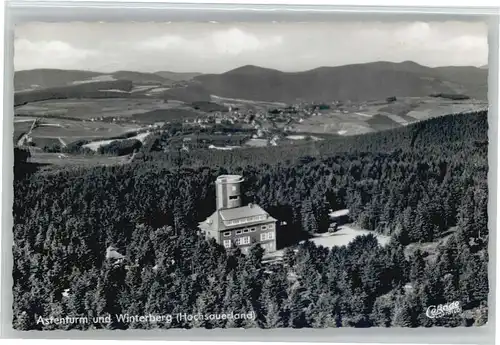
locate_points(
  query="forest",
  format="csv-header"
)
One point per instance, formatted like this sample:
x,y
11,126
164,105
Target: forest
x,y
421,184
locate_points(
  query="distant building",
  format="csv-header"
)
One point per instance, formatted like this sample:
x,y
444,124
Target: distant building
x,y
340,216
234,225
111,253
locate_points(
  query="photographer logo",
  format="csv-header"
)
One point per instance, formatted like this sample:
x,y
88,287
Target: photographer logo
x,y
440,310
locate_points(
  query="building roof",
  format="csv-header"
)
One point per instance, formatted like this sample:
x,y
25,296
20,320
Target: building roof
x,y
339,213
216,220
242,212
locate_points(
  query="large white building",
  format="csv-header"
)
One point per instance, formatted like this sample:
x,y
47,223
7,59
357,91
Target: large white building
x,y
234,225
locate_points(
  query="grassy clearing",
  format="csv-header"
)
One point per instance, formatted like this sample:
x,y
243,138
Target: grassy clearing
x,y
69,130
429,249
86,109
65,160
95,145
167,115
333,123
345,235
21,128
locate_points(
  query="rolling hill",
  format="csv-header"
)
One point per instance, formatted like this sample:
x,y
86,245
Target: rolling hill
x,y
49,78
354,82
177,76
101,89
139,77
357,82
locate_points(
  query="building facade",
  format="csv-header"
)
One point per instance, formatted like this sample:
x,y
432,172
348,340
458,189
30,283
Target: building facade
x,y
233,225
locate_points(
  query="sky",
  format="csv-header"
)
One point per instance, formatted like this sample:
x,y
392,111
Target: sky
x,y
218,47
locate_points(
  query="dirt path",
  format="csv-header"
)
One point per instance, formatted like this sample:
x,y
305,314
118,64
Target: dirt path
x,y
63,143
365,115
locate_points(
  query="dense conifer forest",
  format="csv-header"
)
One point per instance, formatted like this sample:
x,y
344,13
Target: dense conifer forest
x,y
425,185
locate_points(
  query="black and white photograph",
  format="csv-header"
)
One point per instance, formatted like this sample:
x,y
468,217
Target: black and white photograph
x,y
240,175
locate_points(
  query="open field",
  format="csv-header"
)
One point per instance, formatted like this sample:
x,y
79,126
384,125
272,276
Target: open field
x,y
237,101
95,145
167,115
65,159
86,109
256,142
429,111
365,117
20,128
345,235
333,123
67,131
304,137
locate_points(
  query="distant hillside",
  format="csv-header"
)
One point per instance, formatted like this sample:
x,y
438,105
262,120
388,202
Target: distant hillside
x,y
359,82
474,80
189,94
46,78
355,82
139,77
177,76
103,89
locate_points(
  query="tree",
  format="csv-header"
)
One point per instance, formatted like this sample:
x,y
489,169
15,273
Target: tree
x,y
417,266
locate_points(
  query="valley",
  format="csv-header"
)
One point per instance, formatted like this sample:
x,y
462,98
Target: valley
x,y
78,113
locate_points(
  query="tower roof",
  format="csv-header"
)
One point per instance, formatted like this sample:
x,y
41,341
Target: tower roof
x,y
229,179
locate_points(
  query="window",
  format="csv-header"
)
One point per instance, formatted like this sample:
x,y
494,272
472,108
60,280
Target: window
x,y
238,221
245,231
252,229
227,233
243,240
227,243
267,236
233,197
238,232
270,226
263,227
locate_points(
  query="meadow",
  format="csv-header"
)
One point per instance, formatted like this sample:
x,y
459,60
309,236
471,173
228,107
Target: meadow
x,y
366,117
87,109
67,131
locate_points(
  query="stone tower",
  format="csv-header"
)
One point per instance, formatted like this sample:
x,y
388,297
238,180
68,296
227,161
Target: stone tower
x,y
228,191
